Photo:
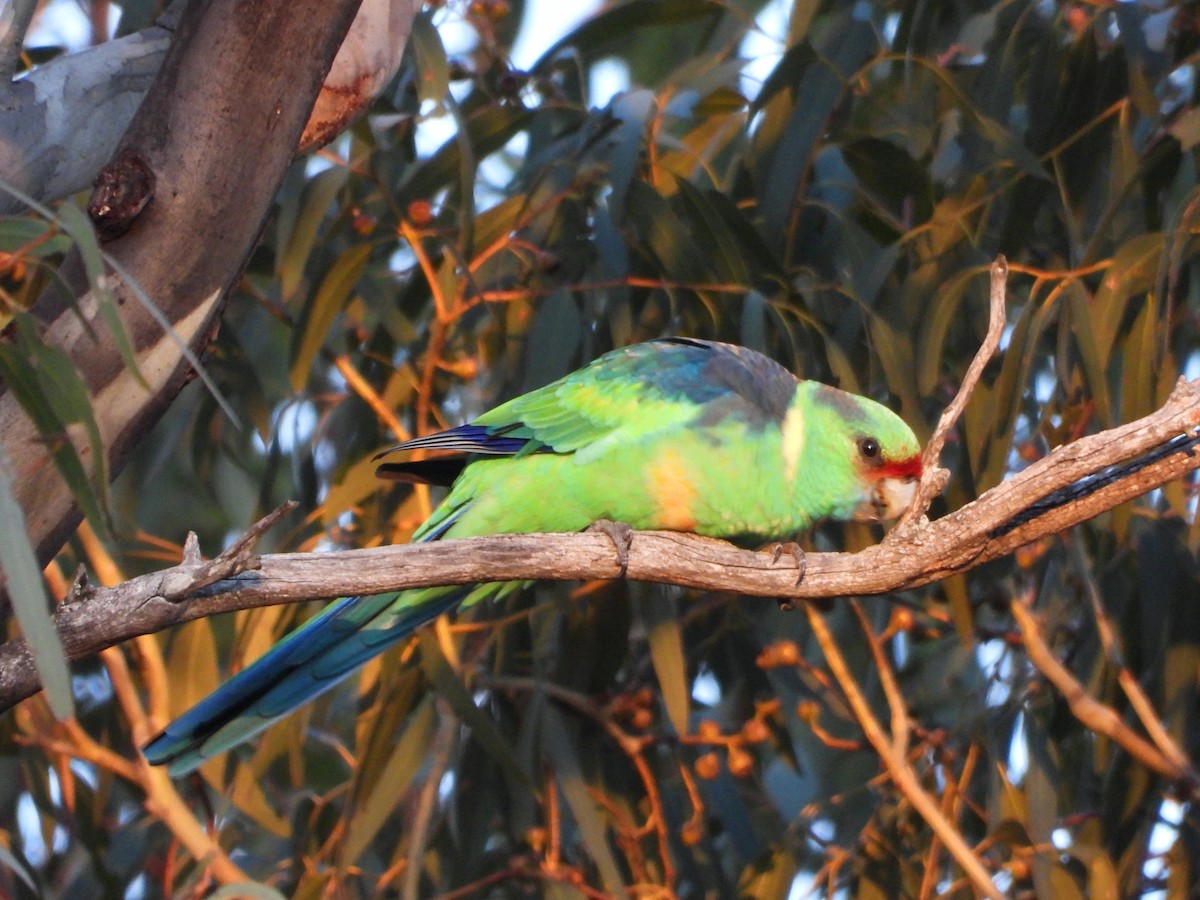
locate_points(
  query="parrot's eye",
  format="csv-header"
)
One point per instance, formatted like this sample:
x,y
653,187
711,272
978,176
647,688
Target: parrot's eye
x,y
869,448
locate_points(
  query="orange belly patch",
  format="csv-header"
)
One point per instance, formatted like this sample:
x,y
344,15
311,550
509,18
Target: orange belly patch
x,y
671,492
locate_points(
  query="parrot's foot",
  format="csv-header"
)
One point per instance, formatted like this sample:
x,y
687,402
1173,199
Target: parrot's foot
x,y
796,552
622,537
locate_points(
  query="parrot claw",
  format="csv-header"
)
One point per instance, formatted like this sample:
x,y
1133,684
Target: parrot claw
x,y
622,537
797,554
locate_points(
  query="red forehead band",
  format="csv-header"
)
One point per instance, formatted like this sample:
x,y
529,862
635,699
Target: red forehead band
x,y
901,468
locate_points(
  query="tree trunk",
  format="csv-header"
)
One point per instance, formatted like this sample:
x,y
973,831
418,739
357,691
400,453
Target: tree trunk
x,y
206,151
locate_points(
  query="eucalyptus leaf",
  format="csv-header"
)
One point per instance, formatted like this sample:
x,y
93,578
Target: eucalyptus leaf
x,y
27,591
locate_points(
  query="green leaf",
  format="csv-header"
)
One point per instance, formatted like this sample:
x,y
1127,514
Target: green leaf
x,y
709,230
1140,362
895,351
660,617
664,235
554,337
447,683
404,763
141,297
355,484
9,860
1133,271
753,329
247,794
327,303
17,232
888,172
192,675
848,45
246,889
487,131
770,876
318,198
61,385
564,757
192,672
79,227
786,74
1102,881
936,324
1011,385
429,55
23,578
46,385
611,29
1080,314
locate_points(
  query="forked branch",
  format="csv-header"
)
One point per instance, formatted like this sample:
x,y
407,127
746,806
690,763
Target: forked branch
x,y
1070,485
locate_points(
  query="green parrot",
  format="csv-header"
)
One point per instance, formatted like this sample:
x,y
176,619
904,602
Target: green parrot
x,y
675,434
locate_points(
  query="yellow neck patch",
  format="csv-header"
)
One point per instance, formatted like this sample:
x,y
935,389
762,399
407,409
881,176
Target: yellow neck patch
x,y
792,435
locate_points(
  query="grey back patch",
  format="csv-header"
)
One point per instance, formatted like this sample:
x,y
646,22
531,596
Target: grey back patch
x,y
845,405
752,387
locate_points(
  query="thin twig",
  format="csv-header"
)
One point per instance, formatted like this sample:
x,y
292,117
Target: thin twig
x,y
370,396
162,799
1092,713
951,800
887,678
1141,704
934,479
897,766
440,753
633,747
438,328
149,652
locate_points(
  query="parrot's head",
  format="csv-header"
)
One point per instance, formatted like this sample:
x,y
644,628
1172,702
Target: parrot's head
x,y
890,484
865,449
888,459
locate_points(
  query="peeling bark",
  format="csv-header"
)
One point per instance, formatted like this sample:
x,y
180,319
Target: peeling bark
x,y
61,122
369,57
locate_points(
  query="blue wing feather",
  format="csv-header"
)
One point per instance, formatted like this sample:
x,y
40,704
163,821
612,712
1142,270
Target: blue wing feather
x,y
469,438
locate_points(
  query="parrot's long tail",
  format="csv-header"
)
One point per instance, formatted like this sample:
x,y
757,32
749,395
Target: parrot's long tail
x,y
308,662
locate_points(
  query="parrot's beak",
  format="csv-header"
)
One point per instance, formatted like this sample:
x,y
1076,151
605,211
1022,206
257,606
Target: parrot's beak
x,y
887,500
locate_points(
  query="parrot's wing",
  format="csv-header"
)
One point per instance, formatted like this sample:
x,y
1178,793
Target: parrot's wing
x,y
625,396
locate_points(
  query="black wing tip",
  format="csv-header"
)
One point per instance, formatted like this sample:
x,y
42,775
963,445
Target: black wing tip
x,y
441,472
683,341
165,748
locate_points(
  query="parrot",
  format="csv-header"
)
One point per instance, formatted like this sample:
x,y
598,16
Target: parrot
x,y
675,434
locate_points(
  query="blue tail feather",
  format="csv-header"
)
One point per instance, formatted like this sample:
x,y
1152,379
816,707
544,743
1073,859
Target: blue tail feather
x,y
306,663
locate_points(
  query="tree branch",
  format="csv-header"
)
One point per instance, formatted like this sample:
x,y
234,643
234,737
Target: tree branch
x,y
1095,715
919,554
891,750
934,477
